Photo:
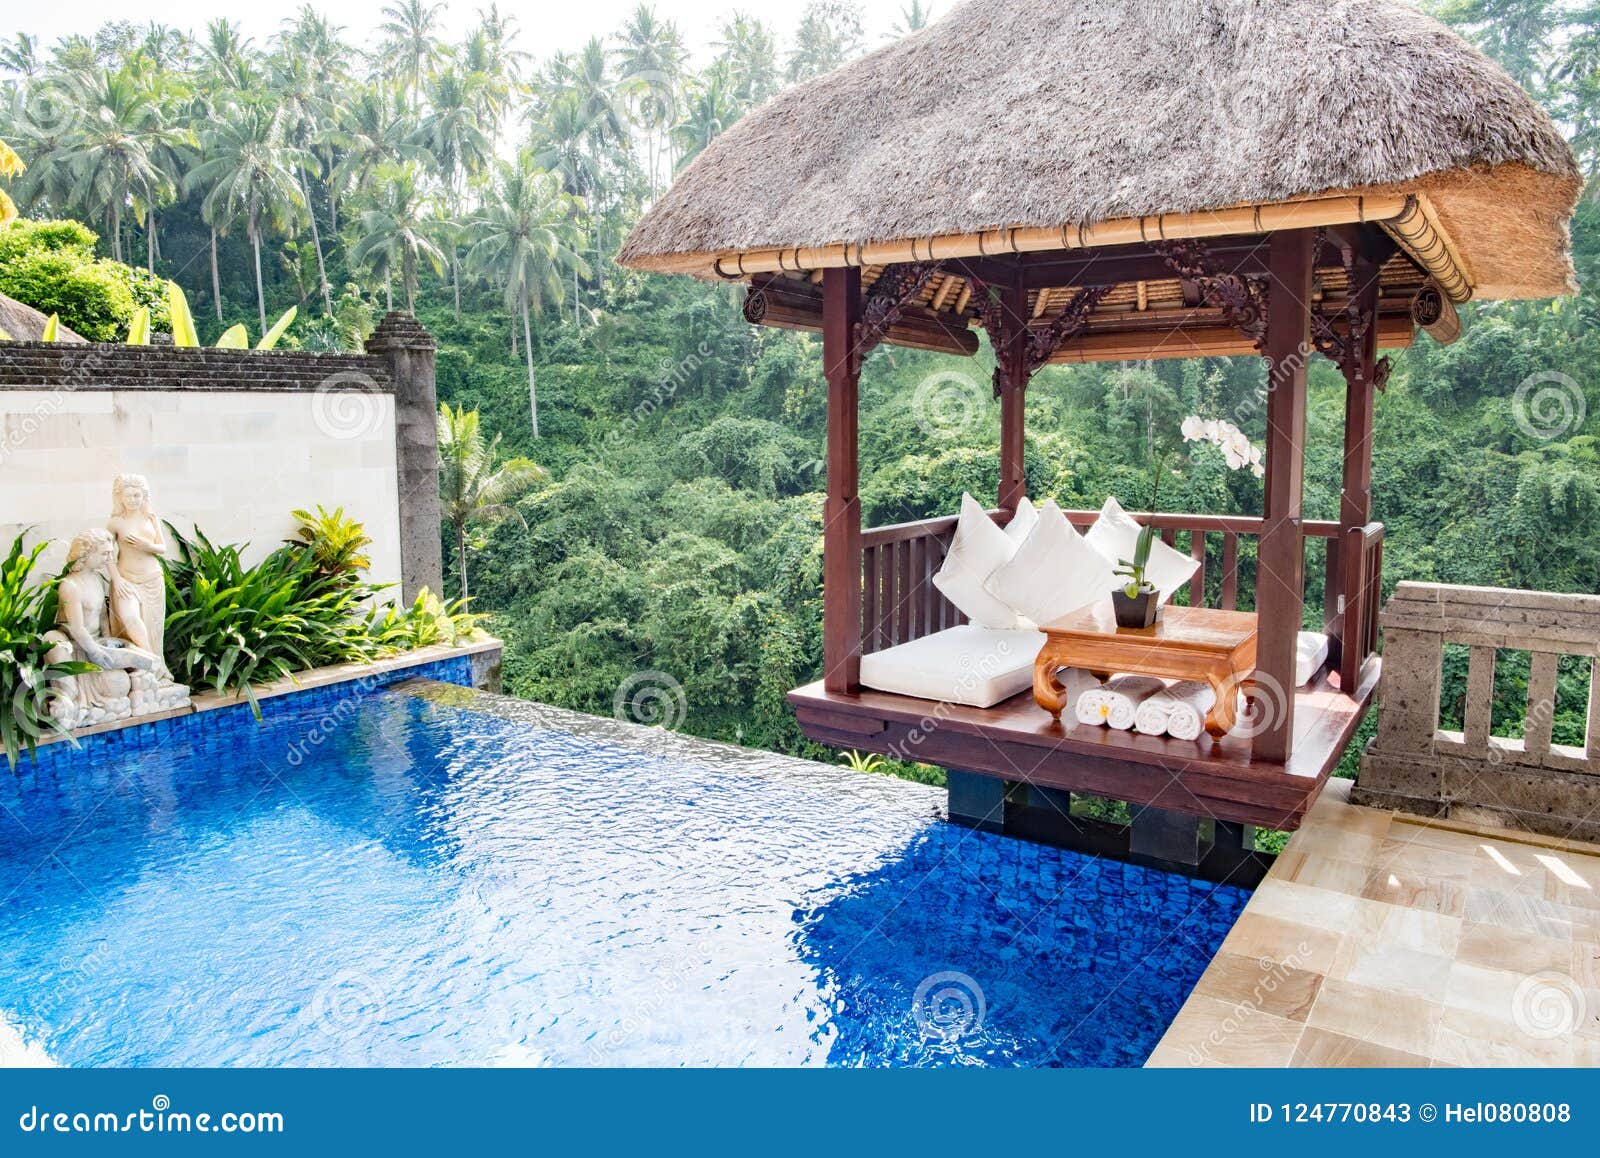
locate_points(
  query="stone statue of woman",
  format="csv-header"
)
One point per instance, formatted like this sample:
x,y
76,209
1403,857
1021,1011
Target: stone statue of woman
x,y
138,587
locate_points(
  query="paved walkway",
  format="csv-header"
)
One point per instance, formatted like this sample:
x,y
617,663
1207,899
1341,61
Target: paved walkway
x,y
1380,939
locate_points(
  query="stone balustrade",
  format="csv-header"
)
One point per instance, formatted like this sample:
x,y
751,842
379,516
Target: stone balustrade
x,y
1530,782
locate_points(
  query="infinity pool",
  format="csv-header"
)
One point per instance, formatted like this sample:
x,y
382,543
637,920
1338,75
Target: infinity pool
x,y
444,878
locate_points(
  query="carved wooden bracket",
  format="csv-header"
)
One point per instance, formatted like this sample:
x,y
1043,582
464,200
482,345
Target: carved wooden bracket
x,y
898,286
1242,300
1044,341
1344,350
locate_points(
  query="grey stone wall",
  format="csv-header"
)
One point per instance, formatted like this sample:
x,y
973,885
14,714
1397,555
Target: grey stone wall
x,y
350,395
1414,765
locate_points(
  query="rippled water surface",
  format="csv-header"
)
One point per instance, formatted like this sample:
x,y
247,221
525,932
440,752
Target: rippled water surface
x,y
432,885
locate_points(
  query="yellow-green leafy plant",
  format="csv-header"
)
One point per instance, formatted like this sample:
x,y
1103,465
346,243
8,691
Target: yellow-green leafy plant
x,y
233,338
857,762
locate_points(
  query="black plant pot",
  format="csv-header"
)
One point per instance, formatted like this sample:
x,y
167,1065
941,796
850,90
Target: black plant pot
x,y
1137,611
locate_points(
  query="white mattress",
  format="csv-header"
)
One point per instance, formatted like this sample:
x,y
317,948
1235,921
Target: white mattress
x,y
971,665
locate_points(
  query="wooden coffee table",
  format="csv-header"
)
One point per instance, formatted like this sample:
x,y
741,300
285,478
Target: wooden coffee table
x,y
1186,643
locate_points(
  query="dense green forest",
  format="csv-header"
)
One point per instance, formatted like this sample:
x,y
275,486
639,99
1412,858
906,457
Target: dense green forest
x,y
678,532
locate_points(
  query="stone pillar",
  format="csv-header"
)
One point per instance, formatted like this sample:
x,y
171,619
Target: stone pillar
x,y
409,351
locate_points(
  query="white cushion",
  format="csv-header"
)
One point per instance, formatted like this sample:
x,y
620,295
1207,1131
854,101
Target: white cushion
x,y
972,665
1022,522
1115,535
1310,651
1054,571
979,548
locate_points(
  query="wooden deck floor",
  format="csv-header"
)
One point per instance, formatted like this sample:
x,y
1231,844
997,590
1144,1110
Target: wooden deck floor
x,y
1016,740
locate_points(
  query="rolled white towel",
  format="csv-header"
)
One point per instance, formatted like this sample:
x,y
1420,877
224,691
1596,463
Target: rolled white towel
x,y
1183,707
1115,704
1078,683
1152,715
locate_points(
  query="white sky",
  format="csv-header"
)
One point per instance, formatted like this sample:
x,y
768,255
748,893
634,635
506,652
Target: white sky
x,y
545,27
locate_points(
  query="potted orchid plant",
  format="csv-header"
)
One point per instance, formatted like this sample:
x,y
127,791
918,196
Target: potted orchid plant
x,y
1136,602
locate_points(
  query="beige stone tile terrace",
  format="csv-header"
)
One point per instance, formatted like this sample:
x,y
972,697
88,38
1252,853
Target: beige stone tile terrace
x,y
1379,939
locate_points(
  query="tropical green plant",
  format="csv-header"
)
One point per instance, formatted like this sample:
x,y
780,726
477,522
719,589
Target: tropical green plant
x,y
27,611
337,543
399,230
230,626
856,762
477,487
427,622
10,166
51,266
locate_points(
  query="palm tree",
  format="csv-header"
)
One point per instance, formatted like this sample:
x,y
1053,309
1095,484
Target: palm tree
x,y
525,238
750,54
114,152
475,486
712,108
373,131
398,229
305,109
454,136
412,46
250,168
652,56
914,17
829,34
21,56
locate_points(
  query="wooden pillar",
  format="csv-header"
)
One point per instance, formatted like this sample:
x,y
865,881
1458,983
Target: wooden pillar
x,y
841,525
1355,493
1280,576
1011,375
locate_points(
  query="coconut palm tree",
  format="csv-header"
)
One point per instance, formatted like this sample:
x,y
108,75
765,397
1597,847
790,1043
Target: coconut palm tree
x,y
373,130
914,17
748,50
712,107
412,44
525,238
114,152
251,169
398,230
21,56
454,136
475,486
652,56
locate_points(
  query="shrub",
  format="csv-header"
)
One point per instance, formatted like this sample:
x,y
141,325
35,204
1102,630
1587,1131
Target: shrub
x,y
26,613
230,626
51,266
426,623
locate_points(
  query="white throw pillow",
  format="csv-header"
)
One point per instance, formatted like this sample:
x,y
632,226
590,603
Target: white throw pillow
x,y
1022,522
1054,572
1115,535
979,548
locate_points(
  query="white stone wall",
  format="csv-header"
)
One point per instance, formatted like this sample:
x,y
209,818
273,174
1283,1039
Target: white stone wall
x,y
234,463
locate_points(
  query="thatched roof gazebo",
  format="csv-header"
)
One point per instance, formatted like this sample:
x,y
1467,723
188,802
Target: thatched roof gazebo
x,y
1099,181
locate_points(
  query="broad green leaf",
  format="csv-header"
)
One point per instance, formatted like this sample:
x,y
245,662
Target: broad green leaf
x,y
183,331
234,338
139,327
270,338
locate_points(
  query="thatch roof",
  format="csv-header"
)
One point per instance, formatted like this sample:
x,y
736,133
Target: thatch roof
x,y
1016,113
23,323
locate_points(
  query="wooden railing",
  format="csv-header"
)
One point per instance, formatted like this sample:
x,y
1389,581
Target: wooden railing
x,y
899,602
